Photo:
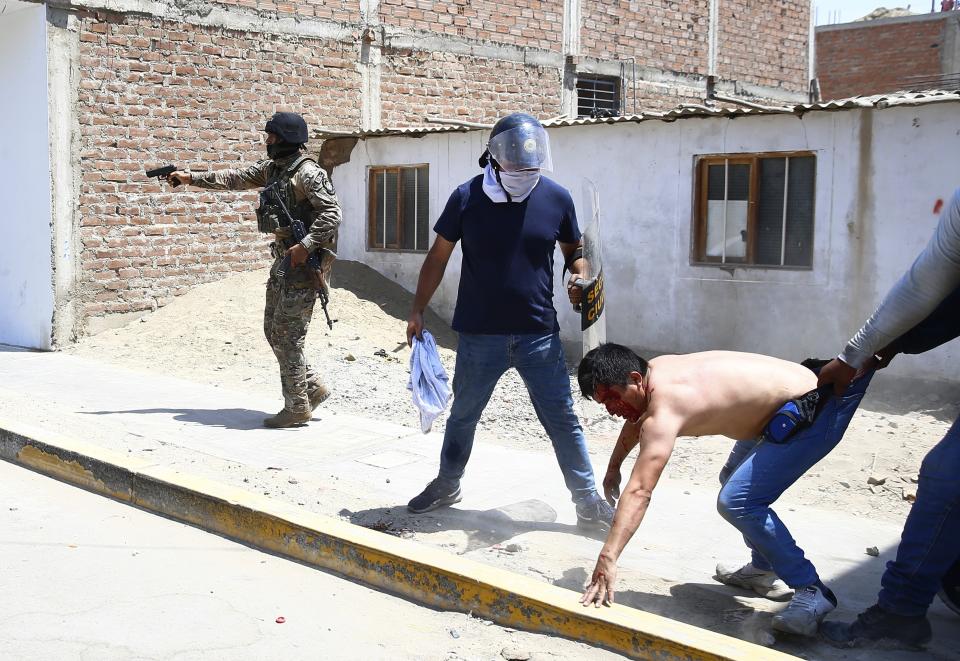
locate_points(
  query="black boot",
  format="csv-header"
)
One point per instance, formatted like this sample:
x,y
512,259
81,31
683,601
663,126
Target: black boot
x,y
876,627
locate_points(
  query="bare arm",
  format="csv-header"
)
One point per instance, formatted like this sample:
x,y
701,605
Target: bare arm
x,y
628,439
658,434
431,273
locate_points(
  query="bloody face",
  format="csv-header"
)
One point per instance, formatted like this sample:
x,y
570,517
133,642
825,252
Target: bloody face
x,y
616,400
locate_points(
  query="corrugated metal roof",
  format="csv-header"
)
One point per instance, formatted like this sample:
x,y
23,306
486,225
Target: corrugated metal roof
x,y
878,101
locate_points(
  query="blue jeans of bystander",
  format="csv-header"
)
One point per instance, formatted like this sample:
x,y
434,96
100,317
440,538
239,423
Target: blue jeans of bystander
x,y
930,544
481,361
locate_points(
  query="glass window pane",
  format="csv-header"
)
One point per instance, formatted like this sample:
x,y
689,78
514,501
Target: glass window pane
x,y
377,239
715,182
735,236
727,220
738,182
770,211
800,194
423,208
408,178
391,210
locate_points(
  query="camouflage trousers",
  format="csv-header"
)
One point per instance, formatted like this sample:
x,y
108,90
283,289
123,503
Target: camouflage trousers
x,y
286,319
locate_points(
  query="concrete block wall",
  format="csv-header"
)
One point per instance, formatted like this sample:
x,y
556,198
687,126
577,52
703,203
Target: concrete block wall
x,y
886,55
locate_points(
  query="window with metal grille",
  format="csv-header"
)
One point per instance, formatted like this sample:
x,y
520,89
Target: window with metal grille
x,y
755,209
598,96
399,208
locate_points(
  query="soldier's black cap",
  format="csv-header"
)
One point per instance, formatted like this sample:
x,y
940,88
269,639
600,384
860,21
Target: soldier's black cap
x,y
290,126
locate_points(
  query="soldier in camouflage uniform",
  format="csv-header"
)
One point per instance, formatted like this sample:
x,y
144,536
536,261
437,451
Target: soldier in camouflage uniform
x,y
308,195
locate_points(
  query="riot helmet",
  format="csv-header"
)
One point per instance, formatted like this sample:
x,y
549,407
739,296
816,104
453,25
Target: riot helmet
x,y
288,126
518,142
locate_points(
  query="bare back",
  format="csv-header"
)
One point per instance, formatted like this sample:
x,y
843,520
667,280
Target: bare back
x,y
724,393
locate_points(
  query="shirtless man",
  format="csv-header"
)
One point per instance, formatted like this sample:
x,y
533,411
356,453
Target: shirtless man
x,y
729,394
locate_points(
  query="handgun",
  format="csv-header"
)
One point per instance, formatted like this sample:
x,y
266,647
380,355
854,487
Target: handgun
x,y
163,173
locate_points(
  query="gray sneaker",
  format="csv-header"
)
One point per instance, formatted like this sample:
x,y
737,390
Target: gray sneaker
x,y
805,611
595,514
764,583
439,493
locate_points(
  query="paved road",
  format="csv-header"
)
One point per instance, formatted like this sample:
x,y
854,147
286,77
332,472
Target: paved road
x,y
84,577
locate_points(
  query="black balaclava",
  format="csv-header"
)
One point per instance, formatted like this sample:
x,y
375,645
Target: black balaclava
x,y
283,149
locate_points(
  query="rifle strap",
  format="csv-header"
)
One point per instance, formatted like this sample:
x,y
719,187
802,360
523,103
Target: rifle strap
x,y
293,167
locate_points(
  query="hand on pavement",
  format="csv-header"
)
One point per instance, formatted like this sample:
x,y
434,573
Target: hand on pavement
x,y
600,589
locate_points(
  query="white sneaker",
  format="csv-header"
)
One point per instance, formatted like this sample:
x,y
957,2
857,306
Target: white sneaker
x,y
805,611
764,583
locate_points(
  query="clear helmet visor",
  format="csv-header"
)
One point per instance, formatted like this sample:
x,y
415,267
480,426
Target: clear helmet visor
x,y
522,148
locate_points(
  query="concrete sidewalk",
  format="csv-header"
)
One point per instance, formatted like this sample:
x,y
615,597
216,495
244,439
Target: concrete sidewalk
x,y
515,515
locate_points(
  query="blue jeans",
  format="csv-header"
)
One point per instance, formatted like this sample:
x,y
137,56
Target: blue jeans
x,y
757,472
930,544
481,361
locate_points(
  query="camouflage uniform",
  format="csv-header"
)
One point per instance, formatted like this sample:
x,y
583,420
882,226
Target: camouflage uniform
x,y
289,305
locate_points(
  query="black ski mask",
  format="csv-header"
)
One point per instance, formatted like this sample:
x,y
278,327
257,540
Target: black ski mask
x,y
282,149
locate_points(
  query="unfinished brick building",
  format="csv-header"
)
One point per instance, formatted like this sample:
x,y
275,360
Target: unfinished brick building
x,y
888,55
108,87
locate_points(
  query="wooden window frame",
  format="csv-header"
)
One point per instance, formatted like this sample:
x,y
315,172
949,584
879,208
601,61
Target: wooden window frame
x,y
699,242
373,172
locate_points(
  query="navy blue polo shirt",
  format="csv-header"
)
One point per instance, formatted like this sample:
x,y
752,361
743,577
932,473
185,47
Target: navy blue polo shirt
x,y
506,281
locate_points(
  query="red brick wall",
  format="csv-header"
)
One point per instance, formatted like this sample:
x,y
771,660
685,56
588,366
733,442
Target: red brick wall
x,y
335,10
877,57
660,34
416,83
524,23
764,43
152,94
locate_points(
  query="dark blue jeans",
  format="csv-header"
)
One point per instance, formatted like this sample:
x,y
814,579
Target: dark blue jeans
x,y
930,544
758,472
481,361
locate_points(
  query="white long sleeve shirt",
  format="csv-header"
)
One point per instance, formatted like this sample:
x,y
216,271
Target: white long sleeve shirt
x,y
934,275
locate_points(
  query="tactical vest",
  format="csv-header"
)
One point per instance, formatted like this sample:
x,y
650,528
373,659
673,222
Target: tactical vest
x,y
270,214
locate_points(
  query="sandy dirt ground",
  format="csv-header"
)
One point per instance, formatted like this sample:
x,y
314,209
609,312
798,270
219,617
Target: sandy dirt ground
x,y
213,335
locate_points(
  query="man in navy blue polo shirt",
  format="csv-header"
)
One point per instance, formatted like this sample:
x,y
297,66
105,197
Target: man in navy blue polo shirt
x,y
508,221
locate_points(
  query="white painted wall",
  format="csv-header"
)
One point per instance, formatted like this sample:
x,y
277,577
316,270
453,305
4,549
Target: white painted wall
x,y
26,291
879,174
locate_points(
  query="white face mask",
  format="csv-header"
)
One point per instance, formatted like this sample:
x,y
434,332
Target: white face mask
x,y
519,184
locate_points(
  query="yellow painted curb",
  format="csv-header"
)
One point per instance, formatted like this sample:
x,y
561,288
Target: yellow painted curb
x,y
420,573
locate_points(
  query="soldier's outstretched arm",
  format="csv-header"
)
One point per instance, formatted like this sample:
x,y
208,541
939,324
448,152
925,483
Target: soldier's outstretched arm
x,y
254,176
